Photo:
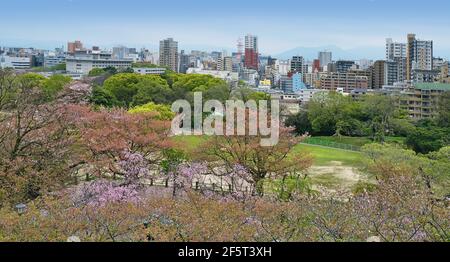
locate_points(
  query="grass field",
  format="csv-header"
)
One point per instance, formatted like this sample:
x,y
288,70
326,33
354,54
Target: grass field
x,y
323,156
358,141
334,169
189,143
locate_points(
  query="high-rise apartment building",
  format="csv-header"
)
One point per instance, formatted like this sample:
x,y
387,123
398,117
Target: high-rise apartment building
x,y
298,64
219,62
228,64
398,52
391,73
384,73
251,52
395,49
345,81
368,73
325,58
185,61
402,67
419,55
168,54
342,66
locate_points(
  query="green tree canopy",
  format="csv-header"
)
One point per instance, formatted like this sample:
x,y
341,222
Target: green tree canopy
x,y
31,80
163,112
300,122
432,169
96,72
325,110
428,137
152,89
103,97
54,85
130,89
123,87
443,110
184,84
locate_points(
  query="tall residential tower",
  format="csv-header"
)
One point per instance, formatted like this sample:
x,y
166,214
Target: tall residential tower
x,y
325,58
419,55
168,54
394,49
251,52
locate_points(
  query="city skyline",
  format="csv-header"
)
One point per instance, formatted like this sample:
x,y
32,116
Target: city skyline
x,y
362,26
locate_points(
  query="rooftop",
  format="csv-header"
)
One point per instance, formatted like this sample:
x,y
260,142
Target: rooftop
x,y
433,86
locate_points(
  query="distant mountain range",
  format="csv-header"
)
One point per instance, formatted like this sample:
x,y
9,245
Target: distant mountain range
x,y
372,53
311,53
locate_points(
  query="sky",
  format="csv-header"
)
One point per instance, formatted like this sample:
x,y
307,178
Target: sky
x,y
281,25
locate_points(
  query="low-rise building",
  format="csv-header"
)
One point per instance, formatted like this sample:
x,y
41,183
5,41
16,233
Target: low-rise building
x,y
444,77
289,103
83,62
150,71
356,94
265,82
51,60
419,99
74,76
15,62
250,76
225,75
305,95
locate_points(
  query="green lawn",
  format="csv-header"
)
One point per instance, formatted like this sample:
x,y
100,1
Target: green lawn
x,y
325,156
322,155
357,141
189,143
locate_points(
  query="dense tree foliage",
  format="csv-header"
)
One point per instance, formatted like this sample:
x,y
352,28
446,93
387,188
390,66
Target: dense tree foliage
x,y
432,134
35,140
163,112
54,85
96,72
102,97
152,89
443,109
300,122
428,137
334,114
122,87
129,89
373,116
12,84
431,170
108,71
